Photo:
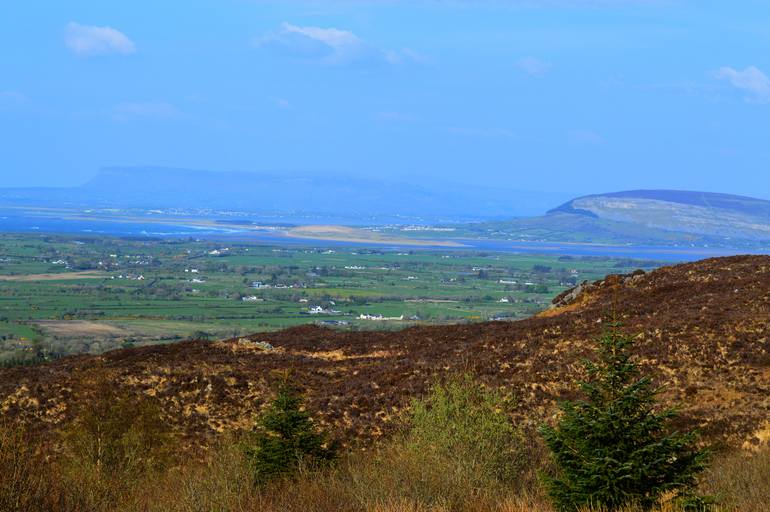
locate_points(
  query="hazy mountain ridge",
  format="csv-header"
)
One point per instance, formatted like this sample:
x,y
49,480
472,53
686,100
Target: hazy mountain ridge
x,y
637,217
325,193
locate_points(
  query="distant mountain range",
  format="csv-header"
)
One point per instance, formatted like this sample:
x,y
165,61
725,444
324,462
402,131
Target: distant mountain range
x,y
638,217
324,194
647,217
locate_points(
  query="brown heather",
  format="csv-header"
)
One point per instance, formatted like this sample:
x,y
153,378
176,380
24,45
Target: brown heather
x,y
702,332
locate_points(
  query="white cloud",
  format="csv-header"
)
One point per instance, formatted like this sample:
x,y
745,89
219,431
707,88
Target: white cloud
x,y
88,40
340,40
143,109
750,80
331,46
532,66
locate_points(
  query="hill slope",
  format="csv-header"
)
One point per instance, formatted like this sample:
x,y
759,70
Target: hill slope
x,y
703,330
698,213
644,217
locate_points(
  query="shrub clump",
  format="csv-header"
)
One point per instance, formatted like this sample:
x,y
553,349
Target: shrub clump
x,y
468,426
614,448
22,483
458,448
118,433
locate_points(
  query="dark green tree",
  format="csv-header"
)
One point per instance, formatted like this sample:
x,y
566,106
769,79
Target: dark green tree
x,y
286,438
615,447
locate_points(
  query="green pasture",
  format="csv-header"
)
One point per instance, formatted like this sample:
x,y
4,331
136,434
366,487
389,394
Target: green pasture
x,y
150,294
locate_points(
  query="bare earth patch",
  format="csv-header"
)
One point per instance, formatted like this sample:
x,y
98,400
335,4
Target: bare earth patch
x,y
63,276
80,328
348,234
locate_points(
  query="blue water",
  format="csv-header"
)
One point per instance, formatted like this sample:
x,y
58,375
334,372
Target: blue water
x,y
24,224
13,222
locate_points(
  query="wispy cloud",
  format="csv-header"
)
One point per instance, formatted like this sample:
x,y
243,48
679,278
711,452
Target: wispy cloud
x,y
143,110
89,40
750,80
331,46
11,98
585,138
532,66
483,133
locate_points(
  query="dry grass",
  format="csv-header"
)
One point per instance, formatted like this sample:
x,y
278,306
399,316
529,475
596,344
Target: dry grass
x,y
391,481
386,480
119,457
740,481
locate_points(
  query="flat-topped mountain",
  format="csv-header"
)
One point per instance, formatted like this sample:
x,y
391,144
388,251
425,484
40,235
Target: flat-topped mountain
x,y
702,330
344,196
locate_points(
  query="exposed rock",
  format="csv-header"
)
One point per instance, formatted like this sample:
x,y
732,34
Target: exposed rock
x,y
567,297
262,345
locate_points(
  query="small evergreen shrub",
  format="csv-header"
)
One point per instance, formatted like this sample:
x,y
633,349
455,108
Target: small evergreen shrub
x,y
285,438
613,448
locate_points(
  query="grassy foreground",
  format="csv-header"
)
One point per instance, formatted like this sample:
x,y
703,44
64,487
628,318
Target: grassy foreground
x,y
457,451
391,479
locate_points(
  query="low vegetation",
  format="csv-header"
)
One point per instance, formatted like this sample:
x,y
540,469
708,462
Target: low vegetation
x,y
466,443
457,451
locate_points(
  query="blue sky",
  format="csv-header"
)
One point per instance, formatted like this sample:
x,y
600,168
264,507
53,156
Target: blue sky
x,y
570,96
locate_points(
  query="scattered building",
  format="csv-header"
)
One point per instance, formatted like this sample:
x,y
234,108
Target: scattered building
x,y
333,322
379,317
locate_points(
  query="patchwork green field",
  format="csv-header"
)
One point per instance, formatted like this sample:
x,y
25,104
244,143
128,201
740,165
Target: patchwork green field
x,y
62,295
